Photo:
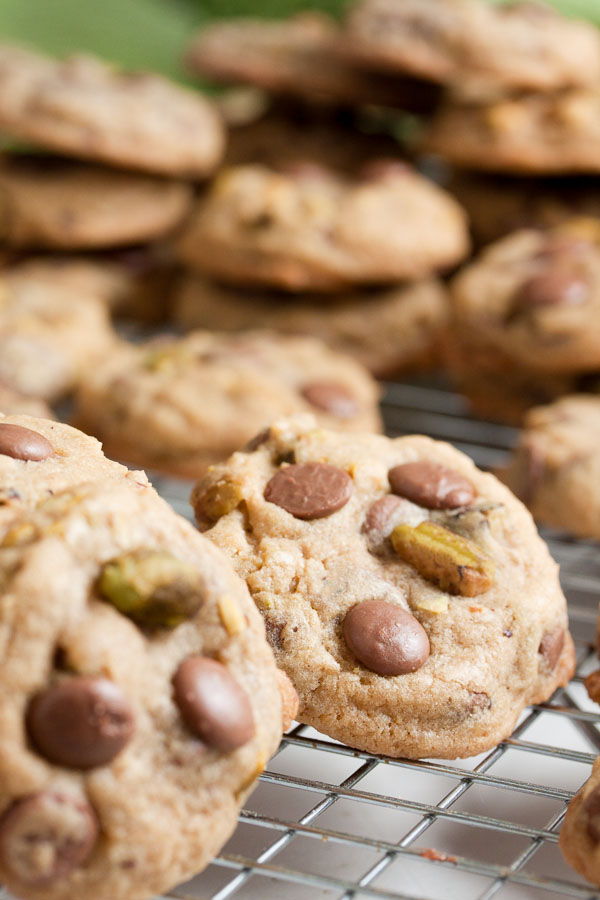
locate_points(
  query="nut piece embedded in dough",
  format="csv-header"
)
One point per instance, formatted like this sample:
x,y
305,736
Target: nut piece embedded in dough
x,y
217,501
452,562
154,589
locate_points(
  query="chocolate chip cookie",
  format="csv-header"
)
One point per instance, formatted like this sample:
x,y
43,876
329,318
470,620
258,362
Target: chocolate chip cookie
x,y
388,331
509,46
539,134
180,404
557,461
406,593
48,335
310,229
299,57
533,298
85,108
47,202
580,833
146,708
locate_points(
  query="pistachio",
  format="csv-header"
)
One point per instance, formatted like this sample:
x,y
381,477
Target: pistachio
x,y
452,562
218,500
154,589
230,615
472,522
437,604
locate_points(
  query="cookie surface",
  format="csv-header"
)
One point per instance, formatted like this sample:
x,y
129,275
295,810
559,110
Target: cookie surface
x,y
58,204
513,46
387,331
83,107
534,298
148,706
538,134
313,230
580,834
298,57
556,463
40,458
180,404
405,593
14,403
48,334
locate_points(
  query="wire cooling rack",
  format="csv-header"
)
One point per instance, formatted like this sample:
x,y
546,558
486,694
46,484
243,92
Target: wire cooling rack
x,y
329,822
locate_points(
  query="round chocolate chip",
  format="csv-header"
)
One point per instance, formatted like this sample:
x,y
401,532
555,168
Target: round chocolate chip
x,y
44,836
431,485
331,398
23,443
212,703
310,490
385,638
82,722
380,515
552,288
551,645
592,811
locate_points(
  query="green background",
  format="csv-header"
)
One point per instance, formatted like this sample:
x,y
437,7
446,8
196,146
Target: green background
x,y
151,33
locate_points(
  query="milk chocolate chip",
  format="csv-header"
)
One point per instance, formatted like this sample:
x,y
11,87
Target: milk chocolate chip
x,y
555,287
23,443
331,398
44,836
212,703
381,513
592,810
82,722
551,645
431,485
385,638
310,490
381,169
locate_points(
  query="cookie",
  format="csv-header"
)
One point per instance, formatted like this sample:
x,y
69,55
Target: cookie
x,y
407,594
85,108
180,404
147,706
388,331
288,136
498,204
533,298
514,46
47,202
580,832
556,463
537,134
14,403
298,57
135,282
310,229
48,335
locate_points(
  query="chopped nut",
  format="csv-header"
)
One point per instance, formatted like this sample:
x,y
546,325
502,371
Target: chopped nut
x,y
449,560
231,617
219,500
18,535
432,604
506,117
154,589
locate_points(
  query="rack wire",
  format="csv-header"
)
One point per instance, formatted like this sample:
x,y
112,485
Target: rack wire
x,y
330,822
327,821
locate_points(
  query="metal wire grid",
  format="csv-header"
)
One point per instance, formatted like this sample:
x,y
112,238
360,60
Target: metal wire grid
x,y
330,822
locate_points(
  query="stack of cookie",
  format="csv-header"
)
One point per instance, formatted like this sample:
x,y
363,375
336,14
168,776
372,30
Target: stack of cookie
x,y
520,98
139,698
101,161
309,229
